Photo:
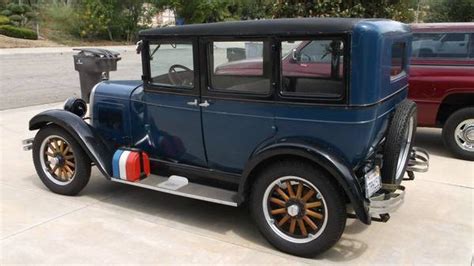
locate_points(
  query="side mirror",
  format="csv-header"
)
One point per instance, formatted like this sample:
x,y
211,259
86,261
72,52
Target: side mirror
x,y
139,47
295,55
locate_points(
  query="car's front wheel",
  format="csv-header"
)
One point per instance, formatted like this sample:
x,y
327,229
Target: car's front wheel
x,y
297,208
458,133
60,161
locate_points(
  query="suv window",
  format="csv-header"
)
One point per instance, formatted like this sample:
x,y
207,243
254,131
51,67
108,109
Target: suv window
x,y
440,45
172,64
313,68
398,51
240,66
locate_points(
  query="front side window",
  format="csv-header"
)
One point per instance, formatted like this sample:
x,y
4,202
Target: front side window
x,y
171,64
440,45
398,55
313,68
239,66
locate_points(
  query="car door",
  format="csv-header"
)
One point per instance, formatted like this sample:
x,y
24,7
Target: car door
x,y
167,117
237,102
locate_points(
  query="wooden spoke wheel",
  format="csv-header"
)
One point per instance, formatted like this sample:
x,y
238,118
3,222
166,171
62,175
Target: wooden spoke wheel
x,y
295,209
61,163
58,160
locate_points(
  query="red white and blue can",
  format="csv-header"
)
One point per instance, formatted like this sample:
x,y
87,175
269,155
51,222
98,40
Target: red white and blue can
x,y
130,164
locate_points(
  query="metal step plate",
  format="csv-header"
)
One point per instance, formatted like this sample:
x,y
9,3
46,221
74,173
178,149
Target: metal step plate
x,y
180,186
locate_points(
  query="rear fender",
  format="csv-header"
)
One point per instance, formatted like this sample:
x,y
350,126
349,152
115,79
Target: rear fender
x,y
95,147
323,157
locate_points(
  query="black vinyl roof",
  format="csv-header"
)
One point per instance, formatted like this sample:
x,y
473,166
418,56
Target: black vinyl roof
x,y
293,26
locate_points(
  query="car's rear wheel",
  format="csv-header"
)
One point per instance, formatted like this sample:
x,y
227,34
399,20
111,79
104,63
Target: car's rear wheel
x,y
60,161
297,208
458,133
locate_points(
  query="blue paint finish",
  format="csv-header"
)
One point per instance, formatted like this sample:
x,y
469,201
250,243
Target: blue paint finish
x,y
371,59
116,164
232,132
166,127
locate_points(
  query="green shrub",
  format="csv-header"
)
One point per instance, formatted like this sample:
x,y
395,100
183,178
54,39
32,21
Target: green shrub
x,y
16,18
16,32
4,20
6,12
16,9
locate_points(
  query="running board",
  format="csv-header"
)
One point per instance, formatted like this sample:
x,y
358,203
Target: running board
x,y
180,186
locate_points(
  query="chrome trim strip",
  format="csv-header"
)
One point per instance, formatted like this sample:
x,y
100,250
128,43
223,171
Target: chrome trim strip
x,y
91,104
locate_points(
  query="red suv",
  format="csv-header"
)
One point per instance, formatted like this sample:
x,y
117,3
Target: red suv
x,y
442,82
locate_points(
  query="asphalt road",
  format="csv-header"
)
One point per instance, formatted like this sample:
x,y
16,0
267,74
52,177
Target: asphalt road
x,y
32,76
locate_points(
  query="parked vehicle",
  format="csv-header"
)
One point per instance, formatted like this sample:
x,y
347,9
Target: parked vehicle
x,y
442,82
299,144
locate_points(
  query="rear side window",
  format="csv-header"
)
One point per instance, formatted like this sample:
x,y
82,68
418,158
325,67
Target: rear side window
x,y
239,66
398,62
440,45
313,68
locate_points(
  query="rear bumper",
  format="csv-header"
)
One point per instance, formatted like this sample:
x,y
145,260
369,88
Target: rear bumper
x,y
385,203
419,160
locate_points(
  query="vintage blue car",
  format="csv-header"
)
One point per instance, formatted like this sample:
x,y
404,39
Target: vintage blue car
x,y
305,119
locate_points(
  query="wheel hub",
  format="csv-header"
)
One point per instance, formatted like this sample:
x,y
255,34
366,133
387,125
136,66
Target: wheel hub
x,y
464,135
469,133
55,161
293,210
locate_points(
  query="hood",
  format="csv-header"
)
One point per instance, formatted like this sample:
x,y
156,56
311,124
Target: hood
x,y
115,89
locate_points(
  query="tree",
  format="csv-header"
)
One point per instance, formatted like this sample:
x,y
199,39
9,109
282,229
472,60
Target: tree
x,y
250,9
451,10
395,9
197,11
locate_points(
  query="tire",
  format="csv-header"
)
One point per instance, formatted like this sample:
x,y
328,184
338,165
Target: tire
x,y
399,142
69,169
333,210
464,119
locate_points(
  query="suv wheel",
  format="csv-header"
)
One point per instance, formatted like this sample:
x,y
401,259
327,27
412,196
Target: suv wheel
x,y
60,161
458,133
297,208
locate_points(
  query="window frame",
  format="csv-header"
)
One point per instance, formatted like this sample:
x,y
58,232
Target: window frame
x,y
404,64
212,93
149,86
307,98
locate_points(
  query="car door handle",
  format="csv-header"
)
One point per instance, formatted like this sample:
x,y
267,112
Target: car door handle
x,y
205,104
193,103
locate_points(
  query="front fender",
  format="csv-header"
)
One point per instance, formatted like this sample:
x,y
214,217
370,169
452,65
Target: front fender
x,y
97,150
332,163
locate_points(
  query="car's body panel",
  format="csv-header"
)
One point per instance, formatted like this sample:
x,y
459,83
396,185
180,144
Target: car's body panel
x,y
433,79
165,126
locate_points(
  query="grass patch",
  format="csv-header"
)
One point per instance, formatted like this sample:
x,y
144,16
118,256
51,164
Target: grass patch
x,y
16,32
4,20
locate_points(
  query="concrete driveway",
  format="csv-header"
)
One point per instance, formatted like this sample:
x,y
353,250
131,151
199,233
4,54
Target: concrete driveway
x,y
114,223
